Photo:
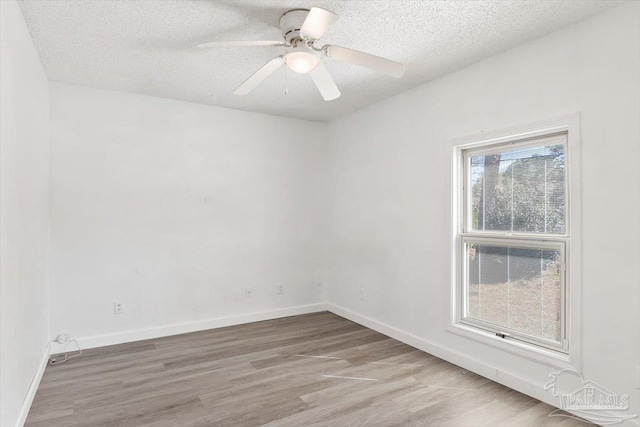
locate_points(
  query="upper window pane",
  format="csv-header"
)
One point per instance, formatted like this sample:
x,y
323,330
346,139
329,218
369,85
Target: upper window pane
x,y
519,190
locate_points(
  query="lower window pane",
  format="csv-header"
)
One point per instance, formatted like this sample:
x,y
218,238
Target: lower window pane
x,y
515,288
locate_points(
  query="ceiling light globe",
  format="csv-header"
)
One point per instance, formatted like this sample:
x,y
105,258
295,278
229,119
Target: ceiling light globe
x,y
301,60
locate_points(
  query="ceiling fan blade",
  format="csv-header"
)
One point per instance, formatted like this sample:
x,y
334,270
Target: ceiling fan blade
x,y
259,76
242,43
325,84
376,63
317,23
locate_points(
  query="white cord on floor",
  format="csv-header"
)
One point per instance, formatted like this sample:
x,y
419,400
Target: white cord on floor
x,y
54,361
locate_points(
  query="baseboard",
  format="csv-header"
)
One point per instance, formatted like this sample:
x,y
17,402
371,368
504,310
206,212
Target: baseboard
x,y
494,373
183,328
33,388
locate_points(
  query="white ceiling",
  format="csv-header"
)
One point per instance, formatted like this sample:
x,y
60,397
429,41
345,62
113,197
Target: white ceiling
x,y
148,47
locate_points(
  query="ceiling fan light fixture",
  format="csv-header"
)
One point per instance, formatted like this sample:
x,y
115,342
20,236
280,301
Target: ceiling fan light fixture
x,y
301,59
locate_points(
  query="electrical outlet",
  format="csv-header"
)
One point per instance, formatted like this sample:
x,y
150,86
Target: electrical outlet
x,y
363,294
280,289
248,293
118,308
61,339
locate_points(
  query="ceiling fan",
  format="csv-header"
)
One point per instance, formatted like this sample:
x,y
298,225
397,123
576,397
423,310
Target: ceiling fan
x,y
301,29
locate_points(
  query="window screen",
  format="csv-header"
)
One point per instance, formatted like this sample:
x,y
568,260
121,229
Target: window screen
x,y
519,190
515,288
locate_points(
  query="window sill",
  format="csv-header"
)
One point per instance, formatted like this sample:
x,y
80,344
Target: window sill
x,y
532,352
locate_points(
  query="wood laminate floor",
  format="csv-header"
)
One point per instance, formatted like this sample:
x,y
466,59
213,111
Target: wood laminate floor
x,y
316,369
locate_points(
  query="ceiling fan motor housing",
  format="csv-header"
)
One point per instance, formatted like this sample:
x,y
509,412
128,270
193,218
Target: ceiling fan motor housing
x,y
291,22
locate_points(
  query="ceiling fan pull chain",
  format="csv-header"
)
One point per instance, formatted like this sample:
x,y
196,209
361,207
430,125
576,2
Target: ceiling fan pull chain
x,y
286,86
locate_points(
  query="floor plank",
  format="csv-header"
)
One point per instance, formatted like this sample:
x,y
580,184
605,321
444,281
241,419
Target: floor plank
x,y
316,369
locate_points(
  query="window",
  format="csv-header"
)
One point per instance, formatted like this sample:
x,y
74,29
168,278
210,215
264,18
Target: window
x,y
512,240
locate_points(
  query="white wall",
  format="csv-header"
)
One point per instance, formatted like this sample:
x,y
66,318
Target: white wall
x,y
174,209
24,211
390,194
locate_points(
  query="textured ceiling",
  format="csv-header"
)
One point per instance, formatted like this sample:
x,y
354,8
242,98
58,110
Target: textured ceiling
x,y
148,47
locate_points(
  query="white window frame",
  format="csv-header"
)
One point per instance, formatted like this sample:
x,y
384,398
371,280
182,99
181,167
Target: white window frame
x,y
568,353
